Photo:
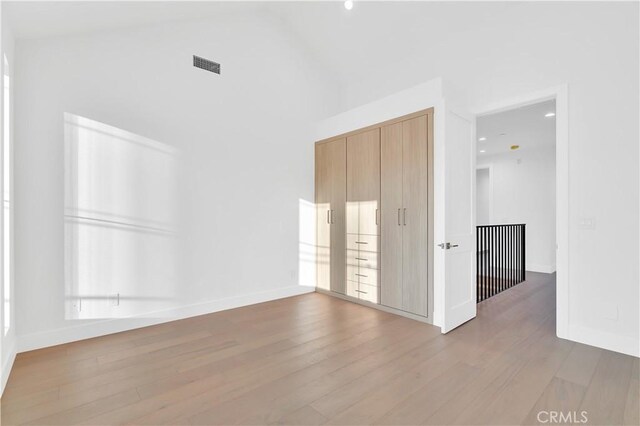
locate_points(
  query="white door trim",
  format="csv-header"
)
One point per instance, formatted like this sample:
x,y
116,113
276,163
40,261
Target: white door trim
x,y
561,95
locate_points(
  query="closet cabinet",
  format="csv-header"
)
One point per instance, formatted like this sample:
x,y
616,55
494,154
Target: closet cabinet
x,y
405,181
331,179
374,215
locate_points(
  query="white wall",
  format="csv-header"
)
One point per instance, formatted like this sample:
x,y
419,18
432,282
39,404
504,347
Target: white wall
x,y
8,339
226,192
504,51
523,191
483,196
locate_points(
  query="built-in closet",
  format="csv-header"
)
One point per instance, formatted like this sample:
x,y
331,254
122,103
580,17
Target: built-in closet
x,y
374,198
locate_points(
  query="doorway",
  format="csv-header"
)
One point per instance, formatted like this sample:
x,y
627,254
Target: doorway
x,y
533,174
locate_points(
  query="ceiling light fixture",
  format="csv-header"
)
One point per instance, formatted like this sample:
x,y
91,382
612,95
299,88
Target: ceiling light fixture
x,y
514,147
482,139
348,4
550,114
482,151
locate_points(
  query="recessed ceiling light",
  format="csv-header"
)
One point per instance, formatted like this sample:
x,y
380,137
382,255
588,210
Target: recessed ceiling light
x,y
348,4
550,114
482,139
482,151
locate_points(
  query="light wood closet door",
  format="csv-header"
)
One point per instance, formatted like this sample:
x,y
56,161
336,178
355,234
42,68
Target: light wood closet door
x,y
363,182
415,189
331,165
391,216
363,203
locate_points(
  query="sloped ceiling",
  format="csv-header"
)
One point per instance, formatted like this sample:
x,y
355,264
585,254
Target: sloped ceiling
x,y
39,19
352,43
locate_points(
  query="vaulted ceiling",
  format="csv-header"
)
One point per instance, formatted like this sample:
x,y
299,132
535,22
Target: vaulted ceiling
x,y
349,43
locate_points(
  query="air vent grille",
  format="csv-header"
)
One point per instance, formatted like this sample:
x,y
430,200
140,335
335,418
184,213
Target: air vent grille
x,y
206,64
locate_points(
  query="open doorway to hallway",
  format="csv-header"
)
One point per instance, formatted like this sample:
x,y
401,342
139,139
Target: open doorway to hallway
x,y
515,196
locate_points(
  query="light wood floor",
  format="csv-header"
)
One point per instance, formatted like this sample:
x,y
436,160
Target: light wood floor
x,y
315,359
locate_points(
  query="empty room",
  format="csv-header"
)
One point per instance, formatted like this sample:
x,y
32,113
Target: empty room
x,y
320,212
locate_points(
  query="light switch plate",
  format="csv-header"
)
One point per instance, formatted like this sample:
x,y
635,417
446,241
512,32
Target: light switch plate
x,y
587,223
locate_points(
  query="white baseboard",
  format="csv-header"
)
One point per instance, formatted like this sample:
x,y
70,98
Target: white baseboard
x,y
604,340
59,336
6,367
545,269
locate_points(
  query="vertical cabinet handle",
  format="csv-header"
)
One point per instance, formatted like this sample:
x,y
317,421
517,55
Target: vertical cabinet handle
x,y
376,217
398,217
404,217
328,213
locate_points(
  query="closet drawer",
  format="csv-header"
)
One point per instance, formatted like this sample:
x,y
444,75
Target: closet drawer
x,y
352,257
352,273
368,276
368,293
363,259
352,289
362,275
363,242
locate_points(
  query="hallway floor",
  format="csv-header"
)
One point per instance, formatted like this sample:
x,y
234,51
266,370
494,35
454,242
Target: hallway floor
x,y
314,359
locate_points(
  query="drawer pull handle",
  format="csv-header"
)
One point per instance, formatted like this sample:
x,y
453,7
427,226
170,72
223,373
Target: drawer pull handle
x,y
360,291
360,275
361,242
360,258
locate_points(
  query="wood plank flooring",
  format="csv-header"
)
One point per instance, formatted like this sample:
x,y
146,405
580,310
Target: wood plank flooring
x,y
315,359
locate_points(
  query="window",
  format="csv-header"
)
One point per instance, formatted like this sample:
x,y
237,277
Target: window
x,y
6,191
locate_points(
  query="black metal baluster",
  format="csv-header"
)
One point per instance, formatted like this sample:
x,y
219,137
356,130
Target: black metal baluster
x,y
482,277
477,265
485,246
518,256
499,263
518,253
501,259
509,256
524,251
494,258
512,253
491,253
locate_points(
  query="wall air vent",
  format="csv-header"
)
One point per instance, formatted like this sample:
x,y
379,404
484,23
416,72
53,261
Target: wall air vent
x,y
206,64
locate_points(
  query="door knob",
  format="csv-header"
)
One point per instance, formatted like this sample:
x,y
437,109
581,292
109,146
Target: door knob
x,y
447,246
